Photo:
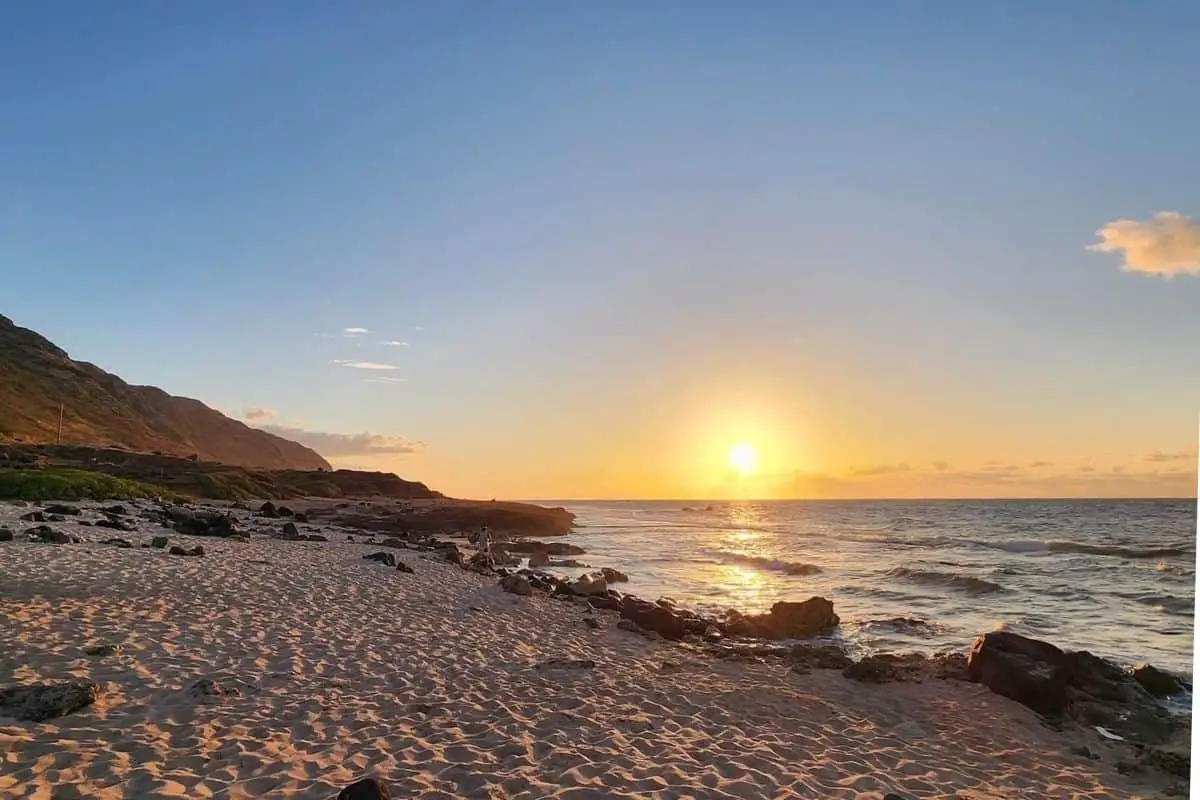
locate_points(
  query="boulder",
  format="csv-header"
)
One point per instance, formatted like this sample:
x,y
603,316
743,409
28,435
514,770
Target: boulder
x,y
47,535
6,535
300,517
668,622
59,508
539,558
160,542
284,511
382,558
116,524
366,789
290,531
516,584
589,585
1159,683
42,701
786,620
116,511
203,523
549,548
268,510
33,516
183,551
805,657
614,576
1030,671
402,567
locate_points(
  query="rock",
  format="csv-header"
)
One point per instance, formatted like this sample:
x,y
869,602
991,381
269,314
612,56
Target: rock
x,y
122,543
549,548
626,624
589,585
42,701
116,511
668,622
204,523
591,622
569,563
300,517
805,657
47,535
183,551
786,620
207,687
314,537
382,558
452,554
614,576
284,511
1027,670
1077,685
1159,683
1177,762
268,510
6,535
886,668
33,516
159,542
402,567
59,508
101,650
366,789
290,531
516,584
539,558
55,518
116,524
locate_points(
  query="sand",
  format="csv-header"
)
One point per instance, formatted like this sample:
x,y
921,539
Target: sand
x,y
347,668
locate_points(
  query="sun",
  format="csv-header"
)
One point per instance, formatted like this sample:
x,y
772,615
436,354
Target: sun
x,y
743,458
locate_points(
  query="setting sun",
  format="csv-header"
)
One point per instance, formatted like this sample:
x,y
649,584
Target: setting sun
x,y
743,458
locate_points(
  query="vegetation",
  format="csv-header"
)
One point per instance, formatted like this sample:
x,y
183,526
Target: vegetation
x,y
75,484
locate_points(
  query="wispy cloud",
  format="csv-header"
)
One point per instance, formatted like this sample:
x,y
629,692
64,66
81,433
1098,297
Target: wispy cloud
x,y
373,365
395,343
1166,245
1159,457
355,331
879,469
1039,464
257,414
333,445
385,379
418,327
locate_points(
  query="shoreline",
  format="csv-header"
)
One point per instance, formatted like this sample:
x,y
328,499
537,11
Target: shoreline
x,y
445,685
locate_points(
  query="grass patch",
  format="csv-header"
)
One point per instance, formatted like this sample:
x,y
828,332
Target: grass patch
x,y
75,484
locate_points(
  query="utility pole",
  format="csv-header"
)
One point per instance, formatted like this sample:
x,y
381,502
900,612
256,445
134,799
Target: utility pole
x,y
60,419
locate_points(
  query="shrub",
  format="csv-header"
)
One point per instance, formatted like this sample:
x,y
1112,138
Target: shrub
x,y
75,484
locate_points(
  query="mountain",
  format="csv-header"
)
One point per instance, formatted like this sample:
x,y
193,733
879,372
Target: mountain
x,y
100,409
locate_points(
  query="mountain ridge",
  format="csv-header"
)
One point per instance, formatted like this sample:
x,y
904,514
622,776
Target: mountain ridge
x,y
100,409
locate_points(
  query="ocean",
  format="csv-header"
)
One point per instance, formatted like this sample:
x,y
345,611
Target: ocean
x,y
1116,577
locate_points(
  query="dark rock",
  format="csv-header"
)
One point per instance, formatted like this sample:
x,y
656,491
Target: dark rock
x,y
42,701
366,789
59,508
516,584
314,537
402,567
183,551
207,687
887,668
591,622
589,585
1027,670
382,558
122,543
549,548
452,554
101,650
804,657
6,535
34,516
300,517
668,622
284,511
625,624
55,518
47,535
1177,762
568,663
159,542
290,531
539,558
786,620
84,523
116,524
1159,683
268,510
204,523
116,511
614,576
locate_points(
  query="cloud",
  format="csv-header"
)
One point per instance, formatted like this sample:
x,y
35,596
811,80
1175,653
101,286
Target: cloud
x,y
418,327
1159,457
333,445
256,414
395,343
374,365
355,331
879,469
1039,464
1167,245
385,379
940,466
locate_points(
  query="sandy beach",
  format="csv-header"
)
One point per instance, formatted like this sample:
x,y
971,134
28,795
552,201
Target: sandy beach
x,y
334,668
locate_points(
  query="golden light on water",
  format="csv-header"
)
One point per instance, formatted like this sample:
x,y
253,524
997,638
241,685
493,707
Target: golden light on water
x,y
743,458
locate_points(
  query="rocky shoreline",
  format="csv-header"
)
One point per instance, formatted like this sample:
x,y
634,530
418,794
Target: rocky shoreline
x,y
1066,688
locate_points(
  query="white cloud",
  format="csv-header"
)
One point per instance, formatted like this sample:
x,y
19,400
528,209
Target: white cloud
x,y
1167,245
385,379
418,327
256,414
355,331
1160,457
395,343
374,365
332,445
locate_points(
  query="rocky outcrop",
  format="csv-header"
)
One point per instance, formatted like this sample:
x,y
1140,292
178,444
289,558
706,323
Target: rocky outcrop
x,y
366,789
383,558
42,701
786,620
516,584
194,552
202,523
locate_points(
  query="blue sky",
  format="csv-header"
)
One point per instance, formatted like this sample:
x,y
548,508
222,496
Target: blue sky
x,y
618,236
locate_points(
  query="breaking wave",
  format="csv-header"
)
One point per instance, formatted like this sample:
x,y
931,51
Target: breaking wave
x,y
953,580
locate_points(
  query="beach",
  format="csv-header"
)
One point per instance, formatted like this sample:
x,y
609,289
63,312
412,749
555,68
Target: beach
x,y
270,668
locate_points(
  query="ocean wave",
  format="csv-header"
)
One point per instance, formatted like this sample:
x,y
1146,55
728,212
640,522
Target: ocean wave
x,y
953,580
1166,603
772,564
1034,546
910,626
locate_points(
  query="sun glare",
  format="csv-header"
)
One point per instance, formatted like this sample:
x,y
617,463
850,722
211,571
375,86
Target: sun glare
x,y
743,458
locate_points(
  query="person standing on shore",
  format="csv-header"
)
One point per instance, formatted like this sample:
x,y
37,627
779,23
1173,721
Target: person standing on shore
x,y
484,544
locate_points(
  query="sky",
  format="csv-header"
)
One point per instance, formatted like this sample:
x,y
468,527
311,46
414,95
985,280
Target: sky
x,y
581,250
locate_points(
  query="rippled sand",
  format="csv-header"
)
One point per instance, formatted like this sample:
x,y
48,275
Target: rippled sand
x,y
348,668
